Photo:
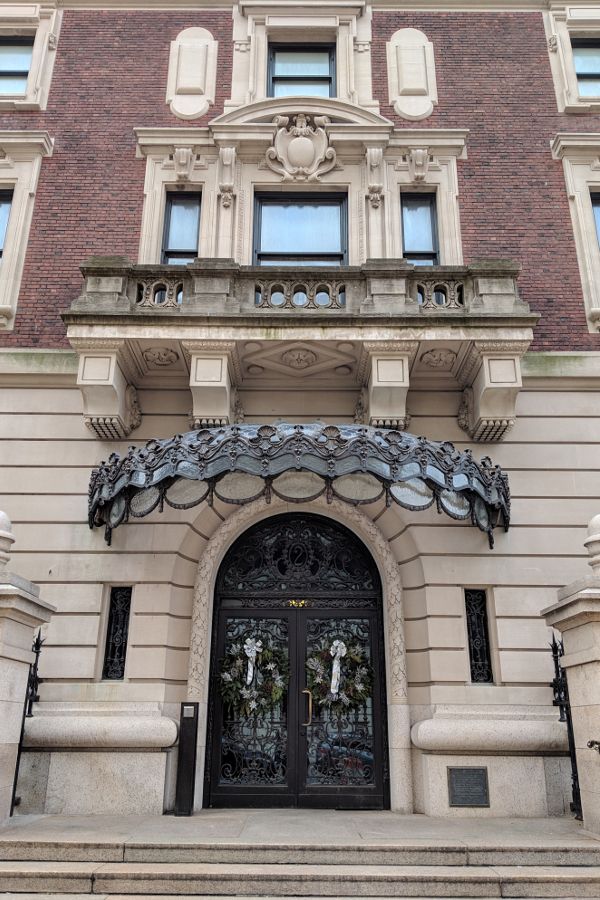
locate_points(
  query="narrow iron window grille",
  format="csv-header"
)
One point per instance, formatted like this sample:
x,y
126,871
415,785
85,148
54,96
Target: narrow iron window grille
x,y
478,634
115,649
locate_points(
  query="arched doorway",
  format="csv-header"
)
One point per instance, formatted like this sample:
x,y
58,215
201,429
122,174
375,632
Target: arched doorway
x,y
297,687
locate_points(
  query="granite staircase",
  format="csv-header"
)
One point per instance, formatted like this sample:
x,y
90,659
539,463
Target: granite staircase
x,y
77,864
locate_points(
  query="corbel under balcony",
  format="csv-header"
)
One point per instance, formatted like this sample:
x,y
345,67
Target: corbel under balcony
x,y
378,330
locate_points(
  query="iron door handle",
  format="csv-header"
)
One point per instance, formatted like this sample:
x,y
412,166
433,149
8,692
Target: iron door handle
x,y
310,703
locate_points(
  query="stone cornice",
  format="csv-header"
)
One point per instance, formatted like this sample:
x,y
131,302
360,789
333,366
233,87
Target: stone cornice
x,y
573,144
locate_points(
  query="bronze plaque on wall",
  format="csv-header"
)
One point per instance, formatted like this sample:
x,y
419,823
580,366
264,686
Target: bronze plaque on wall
x,y
468,786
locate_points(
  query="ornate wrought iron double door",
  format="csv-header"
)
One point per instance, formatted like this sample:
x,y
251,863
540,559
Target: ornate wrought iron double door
x,y
297,709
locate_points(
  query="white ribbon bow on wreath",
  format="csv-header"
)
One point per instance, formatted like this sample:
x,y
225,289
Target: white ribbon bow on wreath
x,y
338,650
251,648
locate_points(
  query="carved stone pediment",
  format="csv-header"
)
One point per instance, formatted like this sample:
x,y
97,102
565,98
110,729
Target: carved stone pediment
x,y
301,150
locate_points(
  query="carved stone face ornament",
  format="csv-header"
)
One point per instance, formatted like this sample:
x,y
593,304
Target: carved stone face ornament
x,y
301,151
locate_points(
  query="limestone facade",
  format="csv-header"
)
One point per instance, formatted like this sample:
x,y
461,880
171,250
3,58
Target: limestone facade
x,y
453,352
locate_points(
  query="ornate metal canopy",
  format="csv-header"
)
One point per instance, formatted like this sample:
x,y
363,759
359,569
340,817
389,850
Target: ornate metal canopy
x,y
298,463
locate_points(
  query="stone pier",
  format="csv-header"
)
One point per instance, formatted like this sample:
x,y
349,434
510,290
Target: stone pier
x,y
21,613
577,616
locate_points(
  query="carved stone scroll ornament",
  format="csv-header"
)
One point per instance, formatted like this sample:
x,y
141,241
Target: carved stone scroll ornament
x,y
374,156
227,157
301,151
117,427
418,160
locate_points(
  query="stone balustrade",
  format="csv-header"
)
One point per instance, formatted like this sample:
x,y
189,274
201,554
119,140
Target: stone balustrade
x,y
221,287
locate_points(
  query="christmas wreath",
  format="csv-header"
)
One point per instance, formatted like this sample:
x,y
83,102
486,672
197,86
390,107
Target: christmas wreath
x,y
254,676
339,676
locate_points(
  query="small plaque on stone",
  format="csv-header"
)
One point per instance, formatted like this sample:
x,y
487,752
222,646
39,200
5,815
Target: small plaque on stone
x,y
468,786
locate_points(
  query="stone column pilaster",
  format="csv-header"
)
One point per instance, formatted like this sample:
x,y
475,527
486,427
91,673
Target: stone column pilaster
x,y
21,613
577,616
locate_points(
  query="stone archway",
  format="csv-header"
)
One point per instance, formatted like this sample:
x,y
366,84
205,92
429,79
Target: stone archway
x,y
401,798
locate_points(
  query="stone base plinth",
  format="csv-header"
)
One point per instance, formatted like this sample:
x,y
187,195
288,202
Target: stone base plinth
x,y
96,783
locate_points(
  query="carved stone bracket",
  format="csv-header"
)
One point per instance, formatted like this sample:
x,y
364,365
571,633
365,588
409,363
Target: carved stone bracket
x,y
385,367
301,151
110,404
491,375
214,397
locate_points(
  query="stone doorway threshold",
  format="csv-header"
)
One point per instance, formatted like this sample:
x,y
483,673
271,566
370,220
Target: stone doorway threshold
x,y
327,833
295,853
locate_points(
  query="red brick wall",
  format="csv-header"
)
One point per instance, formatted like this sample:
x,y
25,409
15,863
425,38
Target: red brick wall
x,y
110,76
493,78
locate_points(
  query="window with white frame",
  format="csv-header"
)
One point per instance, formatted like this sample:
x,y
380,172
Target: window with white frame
x,y
28,39
424,224
419,229
574,50
19,172
340,34
300,230
579,154
182,228
301,70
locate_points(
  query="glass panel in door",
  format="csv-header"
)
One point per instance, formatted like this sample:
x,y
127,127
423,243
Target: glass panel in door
x,y
342,747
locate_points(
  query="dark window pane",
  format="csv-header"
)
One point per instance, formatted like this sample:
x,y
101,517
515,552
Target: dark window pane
x,y
303,63
5,201
418,224
301,228
115,649
303,88
15,56
587,60
183,222
479,643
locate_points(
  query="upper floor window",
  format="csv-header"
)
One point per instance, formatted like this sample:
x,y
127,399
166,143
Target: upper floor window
x,y
301,70
15,62
300,230
182,225
586,58
596,207
5,204
419,229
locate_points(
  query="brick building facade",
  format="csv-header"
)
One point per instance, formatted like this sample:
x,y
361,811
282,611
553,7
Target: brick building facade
x,y
475,132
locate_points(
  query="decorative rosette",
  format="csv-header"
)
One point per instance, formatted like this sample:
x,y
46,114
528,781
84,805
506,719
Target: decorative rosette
x,y
254,676
339,676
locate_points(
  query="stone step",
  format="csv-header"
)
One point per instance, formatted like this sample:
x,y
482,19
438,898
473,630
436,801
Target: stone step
x,y
285,880
417,853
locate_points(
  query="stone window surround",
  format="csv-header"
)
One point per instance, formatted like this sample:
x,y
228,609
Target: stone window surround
x,y
231,172
564,22
19,171
43,23
580,155
258,22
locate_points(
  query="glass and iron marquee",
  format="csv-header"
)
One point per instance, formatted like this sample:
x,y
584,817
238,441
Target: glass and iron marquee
x,y
298,463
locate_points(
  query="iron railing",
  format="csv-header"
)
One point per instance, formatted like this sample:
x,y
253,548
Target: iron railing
x,y
560,689
31,697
